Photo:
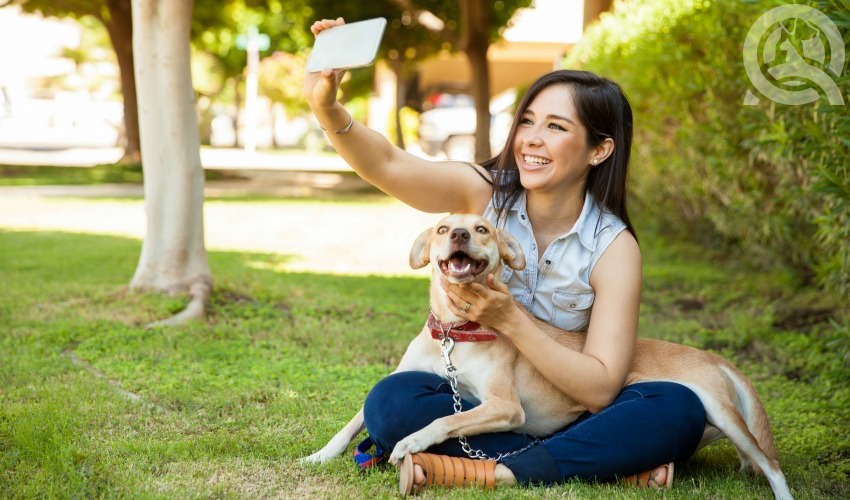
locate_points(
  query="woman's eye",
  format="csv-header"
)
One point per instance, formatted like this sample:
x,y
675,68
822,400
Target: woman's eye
x,y
525,121
481,230
442,230
555,126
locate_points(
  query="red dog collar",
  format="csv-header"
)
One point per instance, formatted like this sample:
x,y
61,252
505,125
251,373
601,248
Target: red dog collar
x,y
463,332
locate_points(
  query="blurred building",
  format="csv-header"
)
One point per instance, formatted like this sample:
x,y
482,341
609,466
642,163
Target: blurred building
x,y
36,114
534,44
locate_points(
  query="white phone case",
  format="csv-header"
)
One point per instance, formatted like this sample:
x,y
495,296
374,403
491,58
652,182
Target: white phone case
x,y
348,46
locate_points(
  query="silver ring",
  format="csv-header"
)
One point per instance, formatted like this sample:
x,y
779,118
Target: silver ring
x,y
466,308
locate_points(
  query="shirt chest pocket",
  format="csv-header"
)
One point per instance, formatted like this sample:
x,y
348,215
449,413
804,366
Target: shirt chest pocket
x,y
572,308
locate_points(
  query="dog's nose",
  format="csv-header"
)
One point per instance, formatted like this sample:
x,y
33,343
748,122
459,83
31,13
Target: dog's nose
x,y
459,235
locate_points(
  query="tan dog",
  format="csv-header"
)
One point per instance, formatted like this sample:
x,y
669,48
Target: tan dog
x,y
514,397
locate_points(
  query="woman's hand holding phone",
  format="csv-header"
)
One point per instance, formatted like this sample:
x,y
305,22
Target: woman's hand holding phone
x,y
321,88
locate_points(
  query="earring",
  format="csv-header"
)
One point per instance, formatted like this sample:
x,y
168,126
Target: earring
x,y
595,161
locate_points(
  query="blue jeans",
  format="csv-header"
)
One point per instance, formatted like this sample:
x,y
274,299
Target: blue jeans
x,y
649,424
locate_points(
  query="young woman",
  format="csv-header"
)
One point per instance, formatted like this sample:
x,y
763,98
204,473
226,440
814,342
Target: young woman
x,y
559,187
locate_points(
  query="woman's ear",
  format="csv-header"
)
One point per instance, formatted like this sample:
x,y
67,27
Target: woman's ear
x,y
510,251
420,254
601,152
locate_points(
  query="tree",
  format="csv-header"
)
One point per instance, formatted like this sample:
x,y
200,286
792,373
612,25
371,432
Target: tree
x,y
173,258
278,81
481,22
117,18
475,41
216,26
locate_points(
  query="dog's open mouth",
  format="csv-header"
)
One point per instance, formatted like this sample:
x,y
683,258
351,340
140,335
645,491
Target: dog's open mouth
x,y
460,266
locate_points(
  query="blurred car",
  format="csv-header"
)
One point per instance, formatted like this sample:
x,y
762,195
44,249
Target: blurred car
x,y
447,127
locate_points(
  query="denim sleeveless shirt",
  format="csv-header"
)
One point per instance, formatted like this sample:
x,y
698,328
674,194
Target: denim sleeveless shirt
x,y
557,288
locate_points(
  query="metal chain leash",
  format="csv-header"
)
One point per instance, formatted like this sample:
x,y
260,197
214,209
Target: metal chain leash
x,y
447,345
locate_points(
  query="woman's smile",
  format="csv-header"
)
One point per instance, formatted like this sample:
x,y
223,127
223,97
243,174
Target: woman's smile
x,y
534,162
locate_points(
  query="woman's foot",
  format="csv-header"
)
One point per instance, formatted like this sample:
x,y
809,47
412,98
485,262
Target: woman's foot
x,y
660,477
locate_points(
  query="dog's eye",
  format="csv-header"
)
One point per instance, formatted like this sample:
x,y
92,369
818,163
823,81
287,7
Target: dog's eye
x,y
442,230
481,230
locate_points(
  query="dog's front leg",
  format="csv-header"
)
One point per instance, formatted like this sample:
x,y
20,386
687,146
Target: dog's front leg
x,y
340,442
494,415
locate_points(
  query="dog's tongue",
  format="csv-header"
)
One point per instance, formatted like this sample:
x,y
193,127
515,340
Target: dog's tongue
x,y
460,265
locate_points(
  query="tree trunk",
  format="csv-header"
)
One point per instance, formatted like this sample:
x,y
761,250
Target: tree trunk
x,y
475,40
120,29
400,96
173,258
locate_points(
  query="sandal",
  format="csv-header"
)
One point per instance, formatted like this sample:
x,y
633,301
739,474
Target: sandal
x,y
443,470
646,479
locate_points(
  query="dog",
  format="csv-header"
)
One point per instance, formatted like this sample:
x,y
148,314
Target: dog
x,y
465,248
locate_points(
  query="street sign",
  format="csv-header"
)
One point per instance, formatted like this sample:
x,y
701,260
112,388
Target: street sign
x,y
253,39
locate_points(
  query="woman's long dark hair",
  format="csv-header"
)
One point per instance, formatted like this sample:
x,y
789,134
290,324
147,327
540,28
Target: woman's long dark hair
x,y
603,109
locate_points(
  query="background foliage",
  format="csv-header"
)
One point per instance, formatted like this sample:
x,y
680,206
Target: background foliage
x,y
768,183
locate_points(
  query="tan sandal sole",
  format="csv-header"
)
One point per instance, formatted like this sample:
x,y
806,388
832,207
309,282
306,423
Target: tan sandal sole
x,y
405,477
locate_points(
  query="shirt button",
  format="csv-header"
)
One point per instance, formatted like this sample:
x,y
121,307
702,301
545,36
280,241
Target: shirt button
x,y
572,306
533,246
522,217
548,262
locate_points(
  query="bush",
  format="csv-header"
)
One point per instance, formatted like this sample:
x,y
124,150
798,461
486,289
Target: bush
x,y
770,183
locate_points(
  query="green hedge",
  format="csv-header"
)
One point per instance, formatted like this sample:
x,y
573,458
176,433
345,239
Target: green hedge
x,y
771,183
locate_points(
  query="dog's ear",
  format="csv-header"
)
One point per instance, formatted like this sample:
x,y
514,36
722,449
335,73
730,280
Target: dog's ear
x,y
420,254
510,252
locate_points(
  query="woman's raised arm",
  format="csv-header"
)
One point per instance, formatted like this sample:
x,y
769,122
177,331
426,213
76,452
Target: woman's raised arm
x,y
430,186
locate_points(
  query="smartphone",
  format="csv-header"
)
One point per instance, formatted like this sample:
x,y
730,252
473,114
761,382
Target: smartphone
x,y
348,46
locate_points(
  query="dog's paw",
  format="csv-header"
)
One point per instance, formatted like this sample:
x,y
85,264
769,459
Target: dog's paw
x,y
315,458
411,444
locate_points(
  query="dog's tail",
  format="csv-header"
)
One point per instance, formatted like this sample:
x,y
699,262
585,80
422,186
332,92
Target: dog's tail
x,y
752,411
753,414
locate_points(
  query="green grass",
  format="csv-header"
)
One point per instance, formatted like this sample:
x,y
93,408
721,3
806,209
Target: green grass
x,y
226,406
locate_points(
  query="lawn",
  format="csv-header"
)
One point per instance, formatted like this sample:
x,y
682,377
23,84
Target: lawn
x,y
93,404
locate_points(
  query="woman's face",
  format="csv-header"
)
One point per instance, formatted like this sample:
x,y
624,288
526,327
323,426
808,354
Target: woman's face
x,y
550,144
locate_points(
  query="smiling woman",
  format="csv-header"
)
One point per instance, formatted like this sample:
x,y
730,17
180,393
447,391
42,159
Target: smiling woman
x,y
588,121
559,188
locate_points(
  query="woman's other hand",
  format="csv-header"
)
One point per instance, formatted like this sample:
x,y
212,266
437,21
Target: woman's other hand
x,y
491,305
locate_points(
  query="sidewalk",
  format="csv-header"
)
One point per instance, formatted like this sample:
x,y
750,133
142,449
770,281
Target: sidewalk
x,y
348,238
211,158
341,238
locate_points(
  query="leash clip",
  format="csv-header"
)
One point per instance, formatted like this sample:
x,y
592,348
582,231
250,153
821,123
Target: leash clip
x,y
447,346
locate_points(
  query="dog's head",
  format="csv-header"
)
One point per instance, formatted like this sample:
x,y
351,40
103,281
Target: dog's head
x,y
465,248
